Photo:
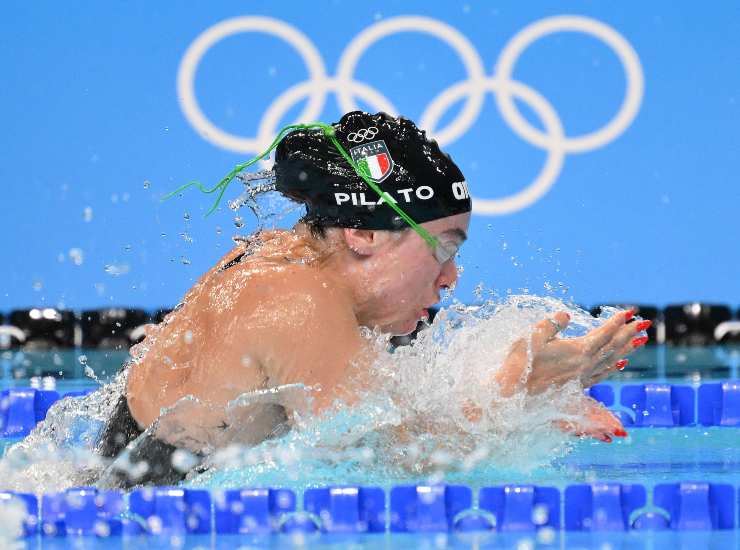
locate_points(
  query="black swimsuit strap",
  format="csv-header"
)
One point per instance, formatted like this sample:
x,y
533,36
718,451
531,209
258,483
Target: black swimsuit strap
x,y
232,263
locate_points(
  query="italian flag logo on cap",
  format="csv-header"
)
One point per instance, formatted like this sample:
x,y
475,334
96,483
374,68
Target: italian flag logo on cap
x,y
376,156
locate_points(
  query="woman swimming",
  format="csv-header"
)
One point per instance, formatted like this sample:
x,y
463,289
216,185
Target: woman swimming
x,y
287,308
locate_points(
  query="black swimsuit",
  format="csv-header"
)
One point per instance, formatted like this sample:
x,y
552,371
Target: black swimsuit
x,y
121,430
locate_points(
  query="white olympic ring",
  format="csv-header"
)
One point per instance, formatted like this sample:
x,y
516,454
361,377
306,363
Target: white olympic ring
x,y
316,88
363,134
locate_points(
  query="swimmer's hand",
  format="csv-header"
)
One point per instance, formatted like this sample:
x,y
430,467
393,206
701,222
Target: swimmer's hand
x,y
556,361
596,421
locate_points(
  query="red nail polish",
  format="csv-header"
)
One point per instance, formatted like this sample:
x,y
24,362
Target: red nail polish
x,y
606,439
637,342
620,433
621,364
643,325
629,315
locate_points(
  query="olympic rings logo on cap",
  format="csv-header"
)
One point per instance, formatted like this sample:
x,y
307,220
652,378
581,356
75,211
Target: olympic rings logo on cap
x,y
363,134
319,84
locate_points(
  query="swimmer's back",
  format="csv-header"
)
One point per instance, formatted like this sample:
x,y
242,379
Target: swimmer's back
x,y
265,321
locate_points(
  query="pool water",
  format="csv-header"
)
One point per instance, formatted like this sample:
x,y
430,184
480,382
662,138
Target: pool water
x,y
648,456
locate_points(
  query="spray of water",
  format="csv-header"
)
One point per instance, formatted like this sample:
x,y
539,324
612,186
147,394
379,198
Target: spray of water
x,y
409,424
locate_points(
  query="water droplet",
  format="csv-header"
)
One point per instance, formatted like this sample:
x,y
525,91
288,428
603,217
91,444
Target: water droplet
x,y
76,255
116,269
87,214
37,285
186,216
184,260
218,230
147,184
238,222
188,337
82,359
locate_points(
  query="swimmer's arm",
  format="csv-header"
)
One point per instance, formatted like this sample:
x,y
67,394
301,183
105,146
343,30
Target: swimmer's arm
x,y
305,333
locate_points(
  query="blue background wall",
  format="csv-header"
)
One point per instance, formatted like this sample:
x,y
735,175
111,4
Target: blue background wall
x,y
90,114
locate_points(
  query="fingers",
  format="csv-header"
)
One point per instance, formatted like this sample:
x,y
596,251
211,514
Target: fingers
x,y
599,423
509,376
599,337
629,338
545,330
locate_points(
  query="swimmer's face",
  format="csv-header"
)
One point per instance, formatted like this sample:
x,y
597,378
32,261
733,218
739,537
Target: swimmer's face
x,y
412,278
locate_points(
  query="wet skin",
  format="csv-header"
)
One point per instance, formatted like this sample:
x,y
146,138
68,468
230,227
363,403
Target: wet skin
x,y
291,313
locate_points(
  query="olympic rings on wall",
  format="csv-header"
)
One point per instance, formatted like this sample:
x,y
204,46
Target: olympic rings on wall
x,y
319,84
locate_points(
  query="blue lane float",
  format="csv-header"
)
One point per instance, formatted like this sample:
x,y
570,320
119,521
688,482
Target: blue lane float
x,y
658,405
173,511
602,506
252,511
22,408
697,506
522,507
719,404
169,511
82,511
427,508
347,509
649,405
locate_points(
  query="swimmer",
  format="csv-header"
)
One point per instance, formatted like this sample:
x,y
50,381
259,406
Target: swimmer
x,y
288,307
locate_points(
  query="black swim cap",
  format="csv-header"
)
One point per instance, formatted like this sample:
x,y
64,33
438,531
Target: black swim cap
x,y
423,180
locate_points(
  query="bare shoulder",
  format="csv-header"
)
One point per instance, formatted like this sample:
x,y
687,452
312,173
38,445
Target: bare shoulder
x,y
294,293
304,329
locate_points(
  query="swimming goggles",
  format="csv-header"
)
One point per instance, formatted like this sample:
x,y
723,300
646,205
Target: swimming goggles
x,y
445,251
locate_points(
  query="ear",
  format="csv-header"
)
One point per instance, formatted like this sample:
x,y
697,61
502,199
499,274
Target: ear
x,y
364,242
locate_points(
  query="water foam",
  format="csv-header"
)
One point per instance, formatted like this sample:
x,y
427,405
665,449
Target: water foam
x,y
409,425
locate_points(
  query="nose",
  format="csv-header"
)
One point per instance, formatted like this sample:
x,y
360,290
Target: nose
x,y
448,275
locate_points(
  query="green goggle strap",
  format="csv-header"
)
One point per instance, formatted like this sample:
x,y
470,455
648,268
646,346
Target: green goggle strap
x,y
362,170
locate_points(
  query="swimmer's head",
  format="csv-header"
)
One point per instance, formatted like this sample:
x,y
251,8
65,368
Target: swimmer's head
x,y
396,155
